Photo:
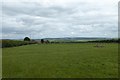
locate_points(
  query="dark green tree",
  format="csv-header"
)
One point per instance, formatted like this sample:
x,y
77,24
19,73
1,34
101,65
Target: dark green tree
x,y
26,39
42,41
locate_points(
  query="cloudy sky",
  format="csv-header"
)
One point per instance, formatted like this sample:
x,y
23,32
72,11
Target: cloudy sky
x,y
59,18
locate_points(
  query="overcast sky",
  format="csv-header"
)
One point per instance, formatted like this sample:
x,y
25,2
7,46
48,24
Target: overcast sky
x,y
59,18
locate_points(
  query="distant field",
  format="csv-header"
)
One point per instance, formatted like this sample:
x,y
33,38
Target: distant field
x,y
61,61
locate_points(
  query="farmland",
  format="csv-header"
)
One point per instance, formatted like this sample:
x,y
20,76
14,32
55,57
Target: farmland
x,y
73,60
0,63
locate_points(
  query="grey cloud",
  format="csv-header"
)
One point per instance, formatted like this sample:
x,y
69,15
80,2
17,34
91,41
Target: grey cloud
x,y
34,10
77,19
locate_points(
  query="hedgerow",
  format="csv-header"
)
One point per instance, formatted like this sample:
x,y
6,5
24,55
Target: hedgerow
x,y
14,43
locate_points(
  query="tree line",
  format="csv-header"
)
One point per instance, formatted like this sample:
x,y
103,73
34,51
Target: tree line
x,y
107,41
28,41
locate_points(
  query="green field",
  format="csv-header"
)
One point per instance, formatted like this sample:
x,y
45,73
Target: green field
x,y
61,61
0,63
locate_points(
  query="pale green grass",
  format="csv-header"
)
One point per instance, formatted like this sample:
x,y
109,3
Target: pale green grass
x,y
61,61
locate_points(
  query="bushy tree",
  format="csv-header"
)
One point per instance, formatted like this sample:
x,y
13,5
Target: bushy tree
x,y
26,39
42,40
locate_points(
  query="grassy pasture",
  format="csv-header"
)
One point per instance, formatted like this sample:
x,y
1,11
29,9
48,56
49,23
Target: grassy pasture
x,y
61,61
0,63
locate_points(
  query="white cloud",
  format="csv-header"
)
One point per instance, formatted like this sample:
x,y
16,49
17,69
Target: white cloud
x,y
59,18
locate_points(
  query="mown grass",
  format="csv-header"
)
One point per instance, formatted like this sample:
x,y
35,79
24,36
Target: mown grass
x,y
61,61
